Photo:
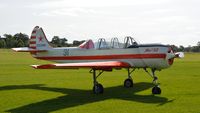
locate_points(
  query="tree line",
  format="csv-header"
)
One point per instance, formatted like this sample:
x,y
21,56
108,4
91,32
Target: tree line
x,y
63,42
187,49
22,40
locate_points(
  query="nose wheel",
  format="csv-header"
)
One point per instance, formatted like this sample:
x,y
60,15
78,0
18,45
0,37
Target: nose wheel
x,y
156,90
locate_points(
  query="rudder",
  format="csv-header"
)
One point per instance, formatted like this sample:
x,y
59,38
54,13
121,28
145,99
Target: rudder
x,y
38,40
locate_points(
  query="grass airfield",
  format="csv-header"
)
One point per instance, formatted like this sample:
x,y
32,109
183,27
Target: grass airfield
x,y
26,90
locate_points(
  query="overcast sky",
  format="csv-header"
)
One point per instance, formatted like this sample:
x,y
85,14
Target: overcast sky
x,y
148,21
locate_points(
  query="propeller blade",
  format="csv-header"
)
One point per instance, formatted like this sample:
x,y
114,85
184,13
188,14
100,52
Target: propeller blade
x,y
179,55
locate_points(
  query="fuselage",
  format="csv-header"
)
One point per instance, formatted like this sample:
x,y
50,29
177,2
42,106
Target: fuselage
x,y
156,56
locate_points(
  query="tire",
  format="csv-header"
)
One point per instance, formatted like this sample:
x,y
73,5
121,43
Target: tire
x,y
156,90
128,83
98,89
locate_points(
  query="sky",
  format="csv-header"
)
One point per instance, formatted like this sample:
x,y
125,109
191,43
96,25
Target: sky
x,y
148,21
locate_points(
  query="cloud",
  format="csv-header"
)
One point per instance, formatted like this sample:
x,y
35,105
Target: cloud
x,y
95,3
66,12
149,20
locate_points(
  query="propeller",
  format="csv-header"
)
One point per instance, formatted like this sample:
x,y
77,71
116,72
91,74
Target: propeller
x,y
179,55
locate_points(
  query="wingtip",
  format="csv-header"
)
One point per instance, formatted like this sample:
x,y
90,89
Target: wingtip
x,y
46,66
15,49
34,66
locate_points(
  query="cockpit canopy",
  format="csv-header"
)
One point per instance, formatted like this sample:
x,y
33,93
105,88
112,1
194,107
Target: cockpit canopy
x,y
114,43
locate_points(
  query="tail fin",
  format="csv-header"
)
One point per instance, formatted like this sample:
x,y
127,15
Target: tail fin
x,y
38,40
37,43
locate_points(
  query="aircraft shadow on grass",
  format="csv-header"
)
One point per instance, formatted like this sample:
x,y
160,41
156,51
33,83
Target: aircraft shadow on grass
x,y
76,97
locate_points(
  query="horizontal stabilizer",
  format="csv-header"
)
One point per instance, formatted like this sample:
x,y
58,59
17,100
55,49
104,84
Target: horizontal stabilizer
x,y
26,49
94,65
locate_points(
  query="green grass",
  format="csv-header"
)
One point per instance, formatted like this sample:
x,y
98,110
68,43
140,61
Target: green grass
x,y
26,90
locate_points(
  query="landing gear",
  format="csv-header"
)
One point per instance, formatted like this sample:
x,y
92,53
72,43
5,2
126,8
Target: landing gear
x,y
129,81
156,89
97,88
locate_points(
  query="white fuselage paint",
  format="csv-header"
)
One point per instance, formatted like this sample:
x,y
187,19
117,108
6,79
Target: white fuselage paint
x,y
142,62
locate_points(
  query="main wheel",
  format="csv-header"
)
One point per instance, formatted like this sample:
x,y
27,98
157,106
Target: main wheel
x,y
98,89
156,90
128,83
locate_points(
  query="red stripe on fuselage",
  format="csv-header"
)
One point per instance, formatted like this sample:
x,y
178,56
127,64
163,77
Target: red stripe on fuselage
x,y
104,57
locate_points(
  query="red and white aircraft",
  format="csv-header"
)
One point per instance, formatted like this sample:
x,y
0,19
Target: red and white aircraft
x,y
103,57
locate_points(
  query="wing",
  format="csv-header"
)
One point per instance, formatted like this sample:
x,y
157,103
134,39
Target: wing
x,y
26,49
94,65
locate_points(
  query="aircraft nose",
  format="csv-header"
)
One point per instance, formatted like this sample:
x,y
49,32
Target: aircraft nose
x,y
170,53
